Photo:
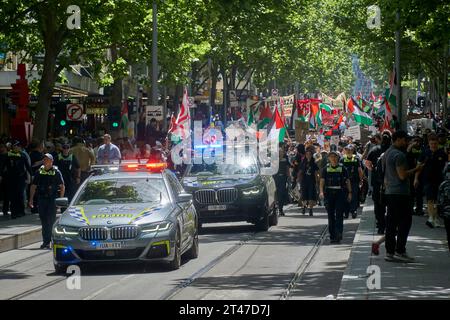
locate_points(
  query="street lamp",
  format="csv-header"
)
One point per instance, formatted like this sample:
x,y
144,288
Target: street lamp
x,y
155,55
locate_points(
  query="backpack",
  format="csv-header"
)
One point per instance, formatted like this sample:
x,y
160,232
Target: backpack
x,y
443,197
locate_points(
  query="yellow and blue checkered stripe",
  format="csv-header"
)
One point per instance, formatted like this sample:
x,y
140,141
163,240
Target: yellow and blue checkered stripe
x,y
144,214
78,214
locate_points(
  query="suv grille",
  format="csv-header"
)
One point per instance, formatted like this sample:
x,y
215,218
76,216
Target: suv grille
x,y
220,196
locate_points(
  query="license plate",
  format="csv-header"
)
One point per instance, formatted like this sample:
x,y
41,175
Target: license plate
x,y
109,245
217,208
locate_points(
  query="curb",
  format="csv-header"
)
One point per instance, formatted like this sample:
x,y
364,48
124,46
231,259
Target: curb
x,y
15,241
353,284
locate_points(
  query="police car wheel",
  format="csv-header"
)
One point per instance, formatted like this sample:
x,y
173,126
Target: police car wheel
x,y
176,262
192,253
60,268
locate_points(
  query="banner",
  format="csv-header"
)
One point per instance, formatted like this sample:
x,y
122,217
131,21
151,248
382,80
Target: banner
x,y
288,105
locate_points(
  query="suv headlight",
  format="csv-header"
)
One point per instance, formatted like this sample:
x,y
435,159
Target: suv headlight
x,y
253,191
154,227
66,231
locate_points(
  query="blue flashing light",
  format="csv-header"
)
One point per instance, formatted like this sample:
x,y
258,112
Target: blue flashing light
x,y
204,146
66,251
94,244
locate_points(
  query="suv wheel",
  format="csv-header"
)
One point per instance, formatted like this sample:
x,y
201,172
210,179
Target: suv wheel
x,y
263,224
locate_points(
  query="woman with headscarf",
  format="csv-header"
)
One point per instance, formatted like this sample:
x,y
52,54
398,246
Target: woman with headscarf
x,y
308,178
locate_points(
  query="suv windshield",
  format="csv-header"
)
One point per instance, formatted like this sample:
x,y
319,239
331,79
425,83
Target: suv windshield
x,y
245,166
123,191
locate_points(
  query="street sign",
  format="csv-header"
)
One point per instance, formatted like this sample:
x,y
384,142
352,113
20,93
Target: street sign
x,y
74,112
154,112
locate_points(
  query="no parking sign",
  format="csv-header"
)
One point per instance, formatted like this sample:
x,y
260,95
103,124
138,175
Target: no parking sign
x,y
74,112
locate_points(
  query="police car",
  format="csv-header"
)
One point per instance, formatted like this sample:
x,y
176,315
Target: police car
x,y
233,192
127,212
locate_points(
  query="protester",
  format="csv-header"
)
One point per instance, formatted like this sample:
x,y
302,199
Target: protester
x,y
433,161
398,198
308,172
108,152
85,157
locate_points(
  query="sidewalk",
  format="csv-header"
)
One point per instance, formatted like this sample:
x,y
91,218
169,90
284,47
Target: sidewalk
x,y
20,232
427,278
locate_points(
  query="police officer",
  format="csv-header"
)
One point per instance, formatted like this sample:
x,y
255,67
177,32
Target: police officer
x,y
15,170
70,170
354,169
48,181
333,181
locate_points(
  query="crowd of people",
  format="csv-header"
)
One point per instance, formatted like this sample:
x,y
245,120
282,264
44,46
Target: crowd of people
x,y
397,170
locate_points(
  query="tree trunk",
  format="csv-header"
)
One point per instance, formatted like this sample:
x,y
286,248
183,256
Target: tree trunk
x,y
52,45
214,76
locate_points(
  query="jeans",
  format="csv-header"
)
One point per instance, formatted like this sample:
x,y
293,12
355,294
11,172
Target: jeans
x,y
47,214
398,222
334,203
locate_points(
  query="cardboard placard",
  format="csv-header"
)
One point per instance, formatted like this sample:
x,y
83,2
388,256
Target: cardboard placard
x,y
354,132
301,130
335,140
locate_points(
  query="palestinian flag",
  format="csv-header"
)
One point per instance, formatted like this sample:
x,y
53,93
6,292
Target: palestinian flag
x,y
391,92
251,119
265,117
326,107
360,116
277,129
351,105
314,110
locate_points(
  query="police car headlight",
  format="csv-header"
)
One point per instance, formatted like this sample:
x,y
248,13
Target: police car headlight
x,y
159,226
252,192
65,231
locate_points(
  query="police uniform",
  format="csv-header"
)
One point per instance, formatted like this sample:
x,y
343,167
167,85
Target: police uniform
x,y
67,166
352,165
16,167
335,198
47,183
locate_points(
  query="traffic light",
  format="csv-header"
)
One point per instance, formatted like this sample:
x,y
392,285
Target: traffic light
x,y
114,117
60,114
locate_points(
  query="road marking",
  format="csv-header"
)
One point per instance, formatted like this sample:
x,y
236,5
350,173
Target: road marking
x,y
99,292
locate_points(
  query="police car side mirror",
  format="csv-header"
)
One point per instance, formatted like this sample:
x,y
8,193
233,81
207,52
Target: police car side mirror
x,y
62,202
184,197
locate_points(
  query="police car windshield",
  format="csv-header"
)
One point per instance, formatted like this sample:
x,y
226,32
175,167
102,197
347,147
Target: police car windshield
x,y
245,166
140,190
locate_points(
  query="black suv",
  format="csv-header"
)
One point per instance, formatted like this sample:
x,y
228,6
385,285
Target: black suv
x,y
232,192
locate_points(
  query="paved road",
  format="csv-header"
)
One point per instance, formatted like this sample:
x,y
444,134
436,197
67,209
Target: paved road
x,y
234,263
